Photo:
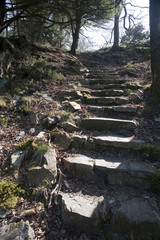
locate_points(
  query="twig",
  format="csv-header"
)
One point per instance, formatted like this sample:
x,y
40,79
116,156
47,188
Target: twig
x,y
55,191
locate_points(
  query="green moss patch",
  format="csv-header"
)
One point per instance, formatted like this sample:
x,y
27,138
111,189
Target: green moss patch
x,y
153,152
9,193
24,144
155,182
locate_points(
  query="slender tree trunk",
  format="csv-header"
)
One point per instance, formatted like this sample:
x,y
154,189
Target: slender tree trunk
x,y
155,46
116,31
2,11
76,36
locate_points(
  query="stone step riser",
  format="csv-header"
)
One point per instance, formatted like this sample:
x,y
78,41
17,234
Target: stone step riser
x,y
109,124
103,101
107,93
136,175
110,112
104,81
109,143
108,86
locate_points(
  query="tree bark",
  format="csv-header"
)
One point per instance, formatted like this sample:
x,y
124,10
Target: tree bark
x,y
75,35
155,46
116,31
2,11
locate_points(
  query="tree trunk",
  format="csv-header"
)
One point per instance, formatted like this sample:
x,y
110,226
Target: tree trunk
x,y
116,31
2,11
76,36
155,46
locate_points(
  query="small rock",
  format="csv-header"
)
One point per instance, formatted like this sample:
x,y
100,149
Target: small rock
x,y
3,214
139,92
70,127
16,97
20,135
111,201
17,159
34,118
63,140
41,135
135,98
17,231
47,98
51,122
73,106
32,131
127,91
157,120
45,168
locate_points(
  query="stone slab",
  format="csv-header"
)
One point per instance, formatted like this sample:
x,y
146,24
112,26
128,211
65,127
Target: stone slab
x,y
107,92
137,219
80,167
17,231
81,212
124,173
115,125
119,142
106,100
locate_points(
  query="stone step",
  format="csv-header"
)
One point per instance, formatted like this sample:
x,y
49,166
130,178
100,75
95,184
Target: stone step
x,y
82,212
110,170
114,111
106,86
111,124
115,216
113,86
103,81
107,142
108,92
86,92
106,100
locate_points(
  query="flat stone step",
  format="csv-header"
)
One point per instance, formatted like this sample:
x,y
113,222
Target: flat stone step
x,y
141,217
105,81
100,74
82,212
111,124
109,170
107,92
114,86
106,100
107,142
107,86
119,142
114,111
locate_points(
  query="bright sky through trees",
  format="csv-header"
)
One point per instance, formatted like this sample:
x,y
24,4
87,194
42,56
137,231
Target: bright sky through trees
x,y
97,37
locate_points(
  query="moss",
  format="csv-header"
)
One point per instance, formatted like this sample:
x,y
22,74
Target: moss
x,y
155,182
2,102
53,134
9,192
24,144
66,115
153,152
3,121
40,145
29,100
87,95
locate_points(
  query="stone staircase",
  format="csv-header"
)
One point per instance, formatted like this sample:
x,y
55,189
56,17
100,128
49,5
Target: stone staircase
x,y
115,201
